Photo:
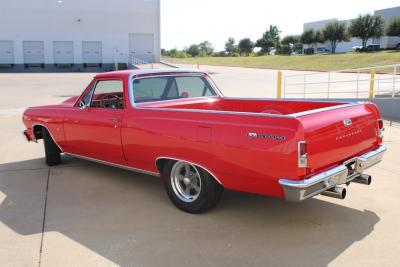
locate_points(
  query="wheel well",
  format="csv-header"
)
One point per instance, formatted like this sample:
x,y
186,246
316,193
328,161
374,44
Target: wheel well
x,y
38,131
160,163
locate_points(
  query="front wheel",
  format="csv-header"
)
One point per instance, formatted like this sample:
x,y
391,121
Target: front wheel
x,y
51,149
191,188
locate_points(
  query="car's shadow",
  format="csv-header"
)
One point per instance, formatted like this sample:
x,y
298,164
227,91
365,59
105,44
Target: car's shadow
x,y
128,219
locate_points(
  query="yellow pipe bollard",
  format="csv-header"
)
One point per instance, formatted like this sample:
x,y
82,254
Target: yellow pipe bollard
x,y
372,84
279,85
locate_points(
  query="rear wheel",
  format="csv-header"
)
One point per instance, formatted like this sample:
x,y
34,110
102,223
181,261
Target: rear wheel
x,y
191,188
51,150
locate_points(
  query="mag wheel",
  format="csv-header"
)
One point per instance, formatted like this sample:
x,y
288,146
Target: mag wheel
x,y
191,188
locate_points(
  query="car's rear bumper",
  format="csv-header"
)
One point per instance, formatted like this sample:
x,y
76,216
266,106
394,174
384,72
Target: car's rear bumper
x,y
342,174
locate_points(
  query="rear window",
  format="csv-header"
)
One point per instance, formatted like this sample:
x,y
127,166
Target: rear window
x,y
167,88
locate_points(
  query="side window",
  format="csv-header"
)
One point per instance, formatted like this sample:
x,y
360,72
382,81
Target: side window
x,y
193,87
108,94
150,89
166,88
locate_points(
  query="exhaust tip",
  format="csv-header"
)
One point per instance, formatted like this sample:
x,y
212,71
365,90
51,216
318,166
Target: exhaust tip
x,y
363,179
343,193
336,192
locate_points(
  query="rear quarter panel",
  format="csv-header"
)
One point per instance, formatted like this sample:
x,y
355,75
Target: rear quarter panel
x,y
217,142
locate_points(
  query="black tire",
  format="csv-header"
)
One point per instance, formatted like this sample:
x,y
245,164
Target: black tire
x,y
51,150
209,196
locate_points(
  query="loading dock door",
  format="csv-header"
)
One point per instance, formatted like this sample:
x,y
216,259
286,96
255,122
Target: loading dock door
x,y
6,52
91,52
141,46
33,52
63,52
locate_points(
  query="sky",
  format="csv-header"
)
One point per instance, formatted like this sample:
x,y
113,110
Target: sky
x,y
184,22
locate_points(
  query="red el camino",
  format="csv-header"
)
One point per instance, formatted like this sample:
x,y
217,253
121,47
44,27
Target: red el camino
x,y
178,125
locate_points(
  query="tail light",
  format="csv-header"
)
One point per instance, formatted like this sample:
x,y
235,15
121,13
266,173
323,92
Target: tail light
x,y
381,129
302,154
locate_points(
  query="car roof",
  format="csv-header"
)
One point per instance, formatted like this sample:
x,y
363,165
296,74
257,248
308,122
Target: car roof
x,y
136,72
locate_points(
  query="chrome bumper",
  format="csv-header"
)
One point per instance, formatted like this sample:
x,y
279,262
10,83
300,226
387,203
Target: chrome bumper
x,y
342,174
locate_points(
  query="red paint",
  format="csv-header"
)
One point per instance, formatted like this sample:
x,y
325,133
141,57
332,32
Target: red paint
x,y
213,139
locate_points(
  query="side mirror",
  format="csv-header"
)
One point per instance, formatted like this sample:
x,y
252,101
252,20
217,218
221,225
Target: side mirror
x,y
82,105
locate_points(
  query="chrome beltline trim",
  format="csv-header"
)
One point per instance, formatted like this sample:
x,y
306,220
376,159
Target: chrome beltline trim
x,y
291,100
114,164
212,174
133,76
216,112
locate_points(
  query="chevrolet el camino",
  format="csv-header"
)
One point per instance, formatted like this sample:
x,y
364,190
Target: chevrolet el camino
x,y
177,124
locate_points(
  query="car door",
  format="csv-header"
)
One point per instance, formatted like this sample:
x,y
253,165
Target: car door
x,y
93,129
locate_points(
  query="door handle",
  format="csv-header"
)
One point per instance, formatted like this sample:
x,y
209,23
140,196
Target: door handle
x,y
115,120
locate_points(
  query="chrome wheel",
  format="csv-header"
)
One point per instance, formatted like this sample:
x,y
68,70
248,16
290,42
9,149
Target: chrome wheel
x,y
185,181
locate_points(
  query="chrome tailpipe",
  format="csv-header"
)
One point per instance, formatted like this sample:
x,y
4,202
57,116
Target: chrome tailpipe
x,y
363,179
336,192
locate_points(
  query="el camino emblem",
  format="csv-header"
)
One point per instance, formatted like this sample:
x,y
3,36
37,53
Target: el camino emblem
x,y
266,136
347,122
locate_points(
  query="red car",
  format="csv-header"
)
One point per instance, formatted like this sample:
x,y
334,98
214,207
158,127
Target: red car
x,y
178,125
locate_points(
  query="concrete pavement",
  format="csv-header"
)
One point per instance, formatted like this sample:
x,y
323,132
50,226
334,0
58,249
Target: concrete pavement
x,y
87,214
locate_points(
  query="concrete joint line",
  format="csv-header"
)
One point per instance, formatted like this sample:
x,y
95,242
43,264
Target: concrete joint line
x,y
44,217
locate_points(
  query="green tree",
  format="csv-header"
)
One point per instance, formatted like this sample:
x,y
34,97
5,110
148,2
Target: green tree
x,y
246,46
335,32
393,28
319,37
289,43
270,39
307,37
312,37
367,27
193,50
231,47
206,48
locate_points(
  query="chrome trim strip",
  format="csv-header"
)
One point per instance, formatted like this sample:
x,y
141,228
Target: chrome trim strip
x,y
134,75
114,164
290,100
40,124
212,174
179,100
216,112
314,111
304,189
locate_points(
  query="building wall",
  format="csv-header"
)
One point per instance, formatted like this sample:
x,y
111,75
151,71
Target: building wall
x,y
385,42
110,22
388,14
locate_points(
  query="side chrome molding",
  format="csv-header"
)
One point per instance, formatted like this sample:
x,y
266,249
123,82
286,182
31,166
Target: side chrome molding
x,y
193,163
114,165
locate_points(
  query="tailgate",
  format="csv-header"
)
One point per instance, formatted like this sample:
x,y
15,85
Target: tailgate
x,y
337,135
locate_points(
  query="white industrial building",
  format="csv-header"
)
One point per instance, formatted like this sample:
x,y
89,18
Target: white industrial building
x,y
78,34
385,42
